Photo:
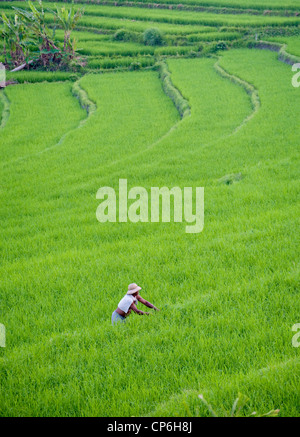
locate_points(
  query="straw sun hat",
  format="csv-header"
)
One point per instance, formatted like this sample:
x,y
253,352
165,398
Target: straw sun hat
x,y
133,288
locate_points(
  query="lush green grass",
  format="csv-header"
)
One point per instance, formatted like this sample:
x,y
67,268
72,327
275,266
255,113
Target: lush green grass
x,y
228,295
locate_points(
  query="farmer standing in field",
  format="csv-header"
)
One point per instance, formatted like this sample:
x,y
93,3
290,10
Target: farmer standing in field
x,y
129,303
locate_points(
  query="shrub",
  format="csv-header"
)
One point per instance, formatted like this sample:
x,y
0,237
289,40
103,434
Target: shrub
x,y
181,41
122,35
135,66
127,35
152,37
221,45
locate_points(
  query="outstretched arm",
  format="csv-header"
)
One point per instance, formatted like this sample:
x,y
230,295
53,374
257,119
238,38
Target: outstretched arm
x,y
136,310
145,302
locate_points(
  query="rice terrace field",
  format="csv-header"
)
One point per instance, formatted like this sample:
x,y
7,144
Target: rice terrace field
x,y
170,93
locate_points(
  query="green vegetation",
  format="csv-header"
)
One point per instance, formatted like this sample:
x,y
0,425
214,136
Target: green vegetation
x,y
292,43
108,31
113,49
94,14
152,37
240,4
186,17
41,76
27,38
180,102
121,62
114,24
237,407
207,109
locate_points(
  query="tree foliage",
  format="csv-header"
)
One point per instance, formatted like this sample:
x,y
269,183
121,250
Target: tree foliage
x,y
28,38
153,37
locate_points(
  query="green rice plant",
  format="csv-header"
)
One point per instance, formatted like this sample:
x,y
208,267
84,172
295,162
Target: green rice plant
x,y
239,5
84,36
107,24
228,296
46,125
108,15
238,405
283,55
214,36
87,36
137,26
41,76
186,17
178,17
124,61
174,51
114,49
292,43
